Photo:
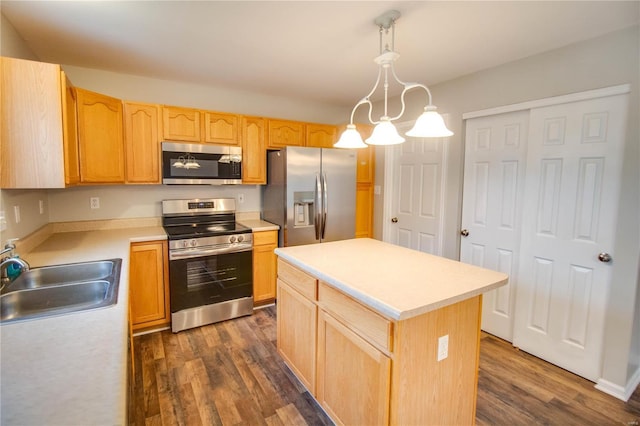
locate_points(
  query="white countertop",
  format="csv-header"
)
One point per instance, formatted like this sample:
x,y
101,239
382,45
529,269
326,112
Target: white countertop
x,y
397,282
71,369
258,225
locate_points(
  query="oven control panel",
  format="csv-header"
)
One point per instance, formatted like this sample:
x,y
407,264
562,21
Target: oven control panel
x,y
233,241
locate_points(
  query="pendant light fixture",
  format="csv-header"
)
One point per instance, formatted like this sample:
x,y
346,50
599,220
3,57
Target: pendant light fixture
x,y
429,125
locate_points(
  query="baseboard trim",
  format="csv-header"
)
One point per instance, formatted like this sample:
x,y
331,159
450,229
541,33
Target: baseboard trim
x,y
623,393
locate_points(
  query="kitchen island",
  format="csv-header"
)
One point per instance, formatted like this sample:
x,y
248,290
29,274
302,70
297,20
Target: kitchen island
x,y
380,334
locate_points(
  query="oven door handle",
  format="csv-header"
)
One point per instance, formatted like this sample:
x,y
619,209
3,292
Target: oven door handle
x,y
197,252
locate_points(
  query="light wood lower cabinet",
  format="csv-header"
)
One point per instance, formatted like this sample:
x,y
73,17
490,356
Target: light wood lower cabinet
x,y
366,369
264,266
149,285
297,319
352,377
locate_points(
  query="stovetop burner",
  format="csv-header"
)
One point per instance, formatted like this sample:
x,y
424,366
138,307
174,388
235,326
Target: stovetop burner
x,y
196,230
199,218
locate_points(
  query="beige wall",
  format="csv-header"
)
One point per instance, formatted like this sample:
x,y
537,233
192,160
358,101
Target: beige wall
x,y
605,61
143,89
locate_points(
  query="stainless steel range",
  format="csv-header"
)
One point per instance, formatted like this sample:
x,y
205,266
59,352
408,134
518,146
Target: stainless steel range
x,y
210,262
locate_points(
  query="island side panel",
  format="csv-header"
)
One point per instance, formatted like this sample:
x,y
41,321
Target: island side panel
x,y
425,390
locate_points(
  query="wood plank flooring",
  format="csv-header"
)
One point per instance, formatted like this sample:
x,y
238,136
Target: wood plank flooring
x,y
230,374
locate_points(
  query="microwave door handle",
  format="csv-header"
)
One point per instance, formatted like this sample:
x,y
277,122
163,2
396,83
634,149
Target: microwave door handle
x,y
325,204
317,201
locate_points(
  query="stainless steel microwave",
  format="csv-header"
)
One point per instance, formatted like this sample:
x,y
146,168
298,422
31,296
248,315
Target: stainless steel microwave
x,y
200,164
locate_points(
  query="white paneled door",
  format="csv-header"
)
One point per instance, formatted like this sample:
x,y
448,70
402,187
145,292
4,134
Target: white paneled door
x,y
415,215
572,187
495,157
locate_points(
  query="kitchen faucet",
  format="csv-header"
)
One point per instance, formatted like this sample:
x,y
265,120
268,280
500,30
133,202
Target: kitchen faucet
x,y
10,259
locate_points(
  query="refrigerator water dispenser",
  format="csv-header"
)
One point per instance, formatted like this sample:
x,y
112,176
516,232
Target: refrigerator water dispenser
x,y
303,209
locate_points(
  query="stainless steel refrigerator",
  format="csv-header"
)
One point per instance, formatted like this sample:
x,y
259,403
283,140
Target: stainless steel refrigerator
x,y
311,194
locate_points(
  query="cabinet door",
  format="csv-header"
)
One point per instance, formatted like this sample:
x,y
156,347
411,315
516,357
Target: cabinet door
x,y
353,376
320,135
364,210
181,124
31,125
264,266
365,173
221,128
285,133
254,152
149,284
297,317
142,143
100,138
70,132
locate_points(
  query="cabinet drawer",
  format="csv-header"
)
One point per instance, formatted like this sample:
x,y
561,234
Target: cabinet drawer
x,y
301,281
368,323
265,237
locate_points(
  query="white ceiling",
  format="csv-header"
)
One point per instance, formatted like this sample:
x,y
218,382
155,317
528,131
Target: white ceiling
x,y
321,51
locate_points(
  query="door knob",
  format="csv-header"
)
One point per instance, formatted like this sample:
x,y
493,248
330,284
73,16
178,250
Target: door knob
x,y
604,257
464,233
394,220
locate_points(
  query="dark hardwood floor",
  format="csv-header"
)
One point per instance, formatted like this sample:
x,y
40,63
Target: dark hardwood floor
x,y
230,374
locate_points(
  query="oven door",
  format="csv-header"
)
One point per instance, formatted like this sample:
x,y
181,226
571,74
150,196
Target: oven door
x,y
208,279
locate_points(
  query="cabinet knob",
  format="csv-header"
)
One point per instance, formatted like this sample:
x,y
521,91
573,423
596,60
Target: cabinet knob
x,y
464,233
394,220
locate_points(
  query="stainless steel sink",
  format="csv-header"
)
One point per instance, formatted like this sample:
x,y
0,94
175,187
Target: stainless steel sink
x,y
61,289
67,273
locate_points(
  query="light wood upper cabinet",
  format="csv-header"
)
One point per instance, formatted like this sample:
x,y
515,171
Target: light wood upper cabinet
x,y
221,128
181,124
70,132
149,285
100,138
142,142
254,151
285,133
264,266
320,135
31,144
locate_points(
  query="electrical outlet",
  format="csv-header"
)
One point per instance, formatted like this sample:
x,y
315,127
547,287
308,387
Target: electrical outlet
x,y
95,202
16,213
3,222
41,206
376,190
443,347
241,198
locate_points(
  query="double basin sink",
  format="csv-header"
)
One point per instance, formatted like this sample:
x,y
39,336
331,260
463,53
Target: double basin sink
x,y
60,289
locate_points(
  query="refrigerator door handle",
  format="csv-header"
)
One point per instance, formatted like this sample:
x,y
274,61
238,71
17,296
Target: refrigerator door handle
x,y
325,209
318,202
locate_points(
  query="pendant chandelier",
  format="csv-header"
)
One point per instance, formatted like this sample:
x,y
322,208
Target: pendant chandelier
x,y
428,125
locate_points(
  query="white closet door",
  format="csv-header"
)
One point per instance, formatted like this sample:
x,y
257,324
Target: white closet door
x,y
416,213
495,150
570,210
